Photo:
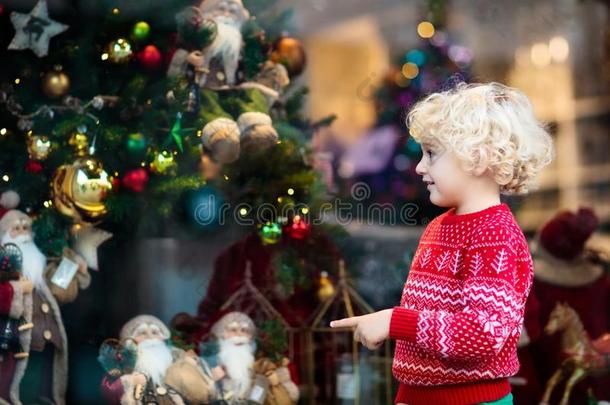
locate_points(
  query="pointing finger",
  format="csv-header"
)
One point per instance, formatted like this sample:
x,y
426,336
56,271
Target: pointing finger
x,y
345,322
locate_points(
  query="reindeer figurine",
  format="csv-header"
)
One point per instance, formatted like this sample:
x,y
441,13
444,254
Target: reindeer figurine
x,y
583,357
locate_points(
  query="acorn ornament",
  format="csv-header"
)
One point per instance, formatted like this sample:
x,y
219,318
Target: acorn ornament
x,y
257,132
220,138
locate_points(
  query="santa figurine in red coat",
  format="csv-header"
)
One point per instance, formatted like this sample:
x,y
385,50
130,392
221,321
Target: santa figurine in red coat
x,y
39,376
567,271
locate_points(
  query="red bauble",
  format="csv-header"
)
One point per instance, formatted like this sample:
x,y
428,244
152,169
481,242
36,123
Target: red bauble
x,y
135,180
116,183
150,57
33,166
299,229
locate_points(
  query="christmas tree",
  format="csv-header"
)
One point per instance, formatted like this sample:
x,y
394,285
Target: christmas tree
x,y
436,63
137,130
157,123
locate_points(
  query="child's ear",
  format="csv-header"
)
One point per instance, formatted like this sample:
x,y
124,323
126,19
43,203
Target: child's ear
x,y
480,170
482,165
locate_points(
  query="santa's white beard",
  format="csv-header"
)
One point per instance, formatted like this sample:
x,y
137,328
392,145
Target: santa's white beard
x,y
226,45
237,357
34,262
154,358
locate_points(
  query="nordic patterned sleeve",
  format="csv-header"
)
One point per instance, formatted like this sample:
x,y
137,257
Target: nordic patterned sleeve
x,y
496,280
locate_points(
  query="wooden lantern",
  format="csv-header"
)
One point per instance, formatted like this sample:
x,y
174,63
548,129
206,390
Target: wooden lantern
x,y
338,370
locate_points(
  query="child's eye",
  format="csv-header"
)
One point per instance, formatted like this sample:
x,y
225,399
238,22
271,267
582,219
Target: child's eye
x,y
430,153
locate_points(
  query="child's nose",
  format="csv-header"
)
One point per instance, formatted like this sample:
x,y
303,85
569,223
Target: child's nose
x,y
420,168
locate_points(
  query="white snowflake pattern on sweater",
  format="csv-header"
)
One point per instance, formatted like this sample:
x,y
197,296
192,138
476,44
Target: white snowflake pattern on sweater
x,y
462,306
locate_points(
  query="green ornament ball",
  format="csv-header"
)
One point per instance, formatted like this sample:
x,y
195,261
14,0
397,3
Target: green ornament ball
x,y
141,30
136,146
270,233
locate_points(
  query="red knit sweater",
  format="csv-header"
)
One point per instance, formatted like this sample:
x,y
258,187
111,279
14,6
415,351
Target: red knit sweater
x,y
461,310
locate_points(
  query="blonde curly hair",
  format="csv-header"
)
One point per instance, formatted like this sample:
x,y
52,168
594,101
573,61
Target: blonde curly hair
x,y
486,124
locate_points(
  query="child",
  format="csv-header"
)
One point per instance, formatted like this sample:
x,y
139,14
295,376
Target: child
x,y
461,311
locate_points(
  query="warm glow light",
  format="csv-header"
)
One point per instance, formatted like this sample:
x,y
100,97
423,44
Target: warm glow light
x,y
104,56
410,70
17,80
540,54
5,178
522,56
3,131
425,29
559,49
401,80
290,191
243,212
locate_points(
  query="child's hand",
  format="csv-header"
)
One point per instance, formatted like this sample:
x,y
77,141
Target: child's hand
x,y
370,330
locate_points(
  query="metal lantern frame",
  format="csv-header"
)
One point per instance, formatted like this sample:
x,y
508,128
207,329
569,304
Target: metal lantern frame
x,y
348,299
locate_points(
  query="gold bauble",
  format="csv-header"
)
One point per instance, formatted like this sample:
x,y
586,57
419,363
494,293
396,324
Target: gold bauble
x,y
55,84
119,51
80,142
163,163
79,189
39,146
289,52
326,288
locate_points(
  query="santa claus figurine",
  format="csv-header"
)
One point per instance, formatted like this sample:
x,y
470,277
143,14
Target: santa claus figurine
x,y
567,271
231,127
241,378
162,374
41,376
223,19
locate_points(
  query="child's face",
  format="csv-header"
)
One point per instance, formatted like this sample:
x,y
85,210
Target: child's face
x,y
447,181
